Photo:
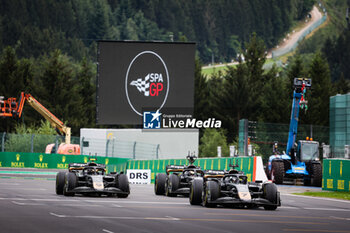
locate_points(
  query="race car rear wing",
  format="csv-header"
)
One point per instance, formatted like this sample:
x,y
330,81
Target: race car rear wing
x,y
81,166
214,174
174,168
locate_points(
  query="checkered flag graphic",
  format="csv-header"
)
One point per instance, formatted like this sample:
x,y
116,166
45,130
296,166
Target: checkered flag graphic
x,y
142,85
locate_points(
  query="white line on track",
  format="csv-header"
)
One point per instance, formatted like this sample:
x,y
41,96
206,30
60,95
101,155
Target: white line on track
x,y
107,231
172,218
348,219
140,202
115,205
95,201
14,199
327,209
58,215
22,203
83,205
31,189
319,198
288,207
167,218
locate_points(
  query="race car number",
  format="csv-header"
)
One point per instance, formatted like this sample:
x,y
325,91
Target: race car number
x,y
97,182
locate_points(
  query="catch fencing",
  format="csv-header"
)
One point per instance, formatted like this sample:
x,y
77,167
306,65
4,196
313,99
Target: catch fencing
x,y
262,136
36,143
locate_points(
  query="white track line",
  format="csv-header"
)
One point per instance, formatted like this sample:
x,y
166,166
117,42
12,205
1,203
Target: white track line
x,y
318,198
327,209
107,231
22,203
167,218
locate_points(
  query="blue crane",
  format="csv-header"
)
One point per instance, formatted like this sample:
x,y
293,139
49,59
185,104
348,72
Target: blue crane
x,y
301,160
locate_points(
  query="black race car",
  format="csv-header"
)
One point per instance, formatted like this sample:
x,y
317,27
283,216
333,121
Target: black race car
x,y
231,188
177,179
90,179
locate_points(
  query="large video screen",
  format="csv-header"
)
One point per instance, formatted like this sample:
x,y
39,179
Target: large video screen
x,y
133,76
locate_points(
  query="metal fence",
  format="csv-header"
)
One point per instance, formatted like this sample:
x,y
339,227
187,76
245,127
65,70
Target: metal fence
x,y
36,143
263,135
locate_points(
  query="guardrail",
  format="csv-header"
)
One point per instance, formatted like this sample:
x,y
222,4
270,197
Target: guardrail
x,y
336,174
282,51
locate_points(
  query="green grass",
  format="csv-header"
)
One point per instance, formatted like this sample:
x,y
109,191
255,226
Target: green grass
x,y
209,71
212,70
330,194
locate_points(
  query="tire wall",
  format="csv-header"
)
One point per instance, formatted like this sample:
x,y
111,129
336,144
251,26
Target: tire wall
x,y
246,164
56,161
336,174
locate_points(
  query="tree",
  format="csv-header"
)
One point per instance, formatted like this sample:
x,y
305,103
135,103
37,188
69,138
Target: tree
x,y
87,92
318,101
255,58
22,140
201,93
211,139
60,89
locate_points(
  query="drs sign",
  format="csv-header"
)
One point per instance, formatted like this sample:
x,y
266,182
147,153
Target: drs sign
x,y
139,176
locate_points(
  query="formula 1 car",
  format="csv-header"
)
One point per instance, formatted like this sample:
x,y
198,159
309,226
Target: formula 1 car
x,y
177,179
90,179
231,188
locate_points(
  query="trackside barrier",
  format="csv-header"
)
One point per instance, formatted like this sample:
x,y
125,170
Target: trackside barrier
x,y
336,174
246,164
56,161
251,166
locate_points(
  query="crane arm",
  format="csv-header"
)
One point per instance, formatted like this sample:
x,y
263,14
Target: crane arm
x,y
14,109
300,84
54,121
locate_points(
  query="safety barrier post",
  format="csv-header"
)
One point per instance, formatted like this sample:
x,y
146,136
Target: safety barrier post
x,y
157,151
134,151
56,145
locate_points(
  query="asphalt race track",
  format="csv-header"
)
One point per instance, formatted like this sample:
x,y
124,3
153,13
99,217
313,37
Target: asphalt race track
x,y
31,205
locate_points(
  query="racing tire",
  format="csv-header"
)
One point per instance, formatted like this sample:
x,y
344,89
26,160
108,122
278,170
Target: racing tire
x,y
69,184
60,182
270,193
211,193
159,184
316,179
123,184
196,190
172,184
277,172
